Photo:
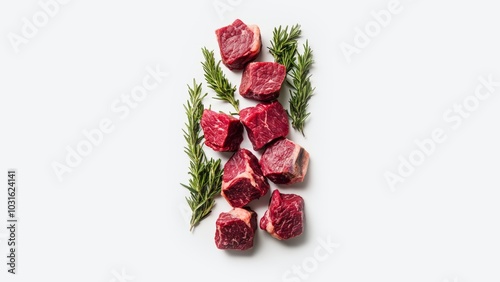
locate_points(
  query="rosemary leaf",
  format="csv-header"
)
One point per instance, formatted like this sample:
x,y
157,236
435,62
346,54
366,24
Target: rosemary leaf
x,y
205,174
284,45
217,81
301,91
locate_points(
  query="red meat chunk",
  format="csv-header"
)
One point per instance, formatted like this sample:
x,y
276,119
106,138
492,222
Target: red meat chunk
x,y
284,162
284,218
262,81
235,229
222,132
265,123
238,44
243,181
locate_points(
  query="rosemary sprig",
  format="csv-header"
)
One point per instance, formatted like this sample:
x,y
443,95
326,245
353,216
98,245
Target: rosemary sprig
x,y
205,174
217,81
284,50
284,45
301,91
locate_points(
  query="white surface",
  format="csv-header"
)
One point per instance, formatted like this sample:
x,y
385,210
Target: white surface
x,y
122,210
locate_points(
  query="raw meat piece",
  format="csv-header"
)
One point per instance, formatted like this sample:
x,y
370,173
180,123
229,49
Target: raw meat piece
x,y
238,44
262,81
265,123
222,132
284,162
242,180
284,218
236,229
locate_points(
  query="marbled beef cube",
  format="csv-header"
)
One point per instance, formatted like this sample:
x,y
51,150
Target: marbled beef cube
x,y
242,180
284,218
284,162
222,132
265,123
262,81
239,44
235,229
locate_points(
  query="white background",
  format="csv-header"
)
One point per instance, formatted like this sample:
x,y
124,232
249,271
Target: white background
x,y
122,210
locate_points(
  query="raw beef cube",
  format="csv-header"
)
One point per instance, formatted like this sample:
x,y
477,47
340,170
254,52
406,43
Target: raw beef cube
x,y
284,218
265,123
222,132
236,229
238,44
242,180
262,81
284,162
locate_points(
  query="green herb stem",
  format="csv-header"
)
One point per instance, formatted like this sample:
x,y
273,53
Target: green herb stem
x,y
205,174
301,91
217,80
284,45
